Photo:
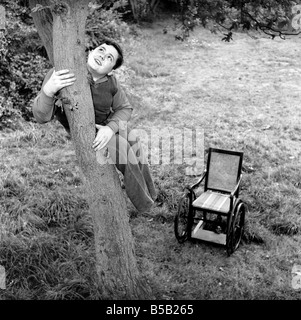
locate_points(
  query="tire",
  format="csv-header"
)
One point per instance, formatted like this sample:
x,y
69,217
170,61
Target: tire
x,y
182,224
236,229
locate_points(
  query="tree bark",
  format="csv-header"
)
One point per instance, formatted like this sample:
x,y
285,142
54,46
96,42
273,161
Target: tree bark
x,y
116,267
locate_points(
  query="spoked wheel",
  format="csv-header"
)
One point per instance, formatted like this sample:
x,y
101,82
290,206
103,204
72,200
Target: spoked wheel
x,y
182,219
236,228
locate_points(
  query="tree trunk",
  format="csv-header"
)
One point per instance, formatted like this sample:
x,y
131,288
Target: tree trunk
x,y
153,4
135,8
116,266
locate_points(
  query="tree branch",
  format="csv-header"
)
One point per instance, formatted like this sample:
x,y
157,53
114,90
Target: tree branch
x,y
264,28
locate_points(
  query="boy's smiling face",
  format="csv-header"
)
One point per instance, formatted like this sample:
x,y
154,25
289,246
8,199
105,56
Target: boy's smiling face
x,y
101,60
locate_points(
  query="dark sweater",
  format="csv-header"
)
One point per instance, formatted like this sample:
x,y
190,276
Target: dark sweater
x,y
110,104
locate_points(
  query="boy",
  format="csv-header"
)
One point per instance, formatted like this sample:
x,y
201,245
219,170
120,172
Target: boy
x,y
112,111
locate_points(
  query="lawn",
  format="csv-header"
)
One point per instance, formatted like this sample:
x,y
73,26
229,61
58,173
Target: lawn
x,y
242,95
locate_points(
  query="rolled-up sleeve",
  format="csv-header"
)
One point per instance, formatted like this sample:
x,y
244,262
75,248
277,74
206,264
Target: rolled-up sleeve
x,y
122,109
43,105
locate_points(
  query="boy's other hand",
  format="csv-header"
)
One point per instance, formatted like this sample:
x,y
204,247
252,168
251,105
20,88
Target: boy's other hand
x,y
103,136
57,81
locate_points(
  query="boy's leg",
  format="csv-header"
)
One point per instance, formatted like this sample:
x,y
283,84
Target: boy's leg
x,y
123,157
135,143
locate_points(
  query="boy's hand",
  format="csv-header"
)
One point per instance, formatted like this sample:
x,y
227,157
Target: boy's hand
x,y
57,81
103,136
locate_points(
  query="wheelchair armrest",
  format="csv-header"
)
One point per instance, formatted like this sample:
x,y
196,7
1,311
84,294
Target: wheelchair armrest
x,y
199,181
236,188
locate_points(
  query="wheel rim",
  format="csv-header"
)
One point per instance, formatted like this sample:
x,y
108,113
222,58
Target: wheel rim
x,y
236,228
181,224
238,225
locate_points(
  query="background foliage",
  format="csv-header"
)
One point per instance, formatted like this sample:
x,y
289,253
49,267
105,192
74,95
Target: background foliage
x,y
24,61
22,65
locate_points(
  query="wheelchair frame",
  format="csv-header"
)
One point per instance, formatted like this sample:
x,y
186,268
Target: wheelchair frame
x,y
191,222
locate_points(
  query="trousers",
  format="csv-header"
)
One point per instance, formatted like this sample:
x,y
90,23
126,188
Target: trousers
x,y
126,152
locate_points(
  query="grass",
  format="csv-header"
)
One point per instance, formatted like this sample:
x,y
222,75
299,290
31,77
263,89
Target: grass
x,y
245,96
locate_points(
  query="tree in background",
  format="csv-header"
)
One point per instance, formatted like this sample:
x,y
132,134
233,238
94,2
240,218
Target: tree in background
x,y
271,17
143,8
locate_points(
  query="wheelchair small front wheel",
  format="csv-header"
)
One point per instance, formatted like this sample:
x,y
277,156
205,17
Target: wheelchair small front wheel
x,y
182,218
236,228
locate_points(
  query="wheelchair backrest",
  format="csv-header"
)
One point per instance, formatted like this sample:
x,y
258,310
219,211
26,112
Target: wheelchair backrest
x,y
223,170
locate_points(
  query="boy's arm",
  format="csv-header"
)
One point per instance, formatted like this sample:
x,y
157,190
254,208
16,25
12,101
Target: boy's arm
x,y
43,105
121,107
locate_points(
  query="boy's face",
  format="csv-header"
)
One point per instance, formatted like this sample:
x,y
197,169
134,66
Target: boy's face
x,y
102,59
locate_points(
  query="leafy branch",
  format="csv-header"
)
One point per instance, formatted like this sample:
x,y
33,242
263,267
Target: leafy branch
x,y
269,29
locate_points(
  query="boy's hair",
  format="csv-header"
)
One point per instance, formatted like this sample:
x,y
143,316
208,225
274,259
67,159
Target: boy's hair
x,y
119,60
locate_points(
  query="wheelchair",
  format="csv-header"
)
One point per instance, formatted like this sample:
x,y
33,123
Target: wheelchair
x,y
215,213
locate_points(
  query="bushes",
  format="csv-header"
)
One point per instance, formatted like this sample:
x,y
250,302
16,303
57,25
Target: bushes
x,y
21,69
272,18
20,83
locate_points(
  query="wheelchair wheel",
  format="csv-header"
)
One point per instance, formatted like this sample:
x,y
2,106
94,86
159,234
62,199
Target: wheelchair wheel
x,y
236,228
182,219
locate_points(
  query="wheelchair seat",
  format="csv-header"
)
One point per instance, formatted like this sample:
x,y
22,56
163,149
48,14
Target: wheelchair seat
x,y
213,201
